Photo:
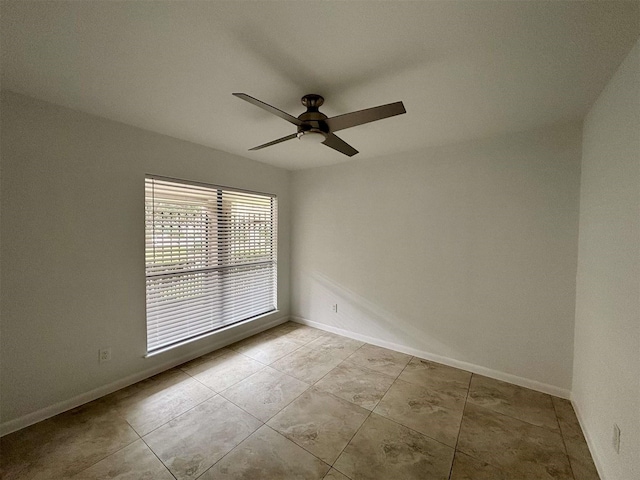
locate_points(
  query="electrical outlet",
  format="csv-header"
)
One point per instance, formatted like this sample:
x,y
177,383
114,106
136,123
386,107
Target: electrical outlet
x,y
334,308
616,438
104,354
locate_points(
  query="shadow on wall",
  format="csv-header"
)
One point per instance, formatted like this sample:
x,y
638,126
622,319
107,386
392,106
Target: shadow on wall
x,y
360,315
360,318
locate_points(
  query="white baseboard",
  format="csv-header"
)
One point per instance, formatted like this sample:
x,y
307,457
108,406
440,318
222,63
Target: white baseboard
x,y
594,453
470,367
64,405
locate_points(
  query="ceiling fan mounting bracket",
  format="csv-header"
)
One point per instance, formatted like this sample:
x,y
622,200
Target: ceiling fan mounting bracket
x,y
312,101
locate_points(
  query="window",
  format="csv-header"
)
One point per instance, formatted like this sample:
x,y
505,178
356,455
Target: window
x,y
210,258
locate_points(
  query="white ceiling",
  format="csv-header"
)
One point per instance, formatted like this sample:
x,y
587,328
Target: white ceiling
x,y
464,69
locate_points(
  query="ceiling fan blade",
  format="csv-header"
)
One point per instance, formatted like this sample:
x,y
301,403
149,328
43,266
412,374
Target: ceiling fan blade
x,y
269,108
283,139
340,145
353,119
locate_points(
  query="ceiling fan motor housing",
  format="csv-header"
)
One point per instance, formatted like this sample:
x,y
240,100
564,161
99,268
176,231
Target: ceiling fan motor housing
x,y
312,120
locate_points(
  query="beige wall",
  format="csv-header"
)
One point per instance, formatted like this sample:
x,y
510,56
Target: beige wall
x,y
606,381
72,251
465,254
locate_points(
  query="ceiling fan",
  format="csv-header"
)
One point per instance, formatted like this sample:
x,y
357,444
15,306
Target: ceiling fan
x,y
315,126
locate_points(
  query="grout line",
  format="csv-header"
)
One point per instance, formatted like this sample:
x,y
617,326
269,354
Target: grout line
x,y
481,460
553,405
370,369
514,418
233,384
241,442
288,373
176,416
285,406
394,377
159,459
350,440
302,446
108,455
411,357
557,432
279,358
414,430
315,349
331,370
288,439
245,411
455,448
251,434
564,442
222,457
502,469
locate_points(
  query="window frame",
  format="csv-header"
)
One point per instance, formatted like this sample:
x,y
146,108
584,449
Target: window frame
x,y
219,214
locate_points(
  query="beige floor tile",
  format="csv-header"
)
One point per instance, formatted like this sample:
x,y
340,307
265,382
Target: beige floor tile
x,y
582,464
467,468
335,475
155,401
134,462
297,330
267,455
339,346
303,334
65,444
356,384
577,448
265,393
519,448
202,359
384,450
320,423
148,386
435,376
427,411
251,342
380,359
313,361
284,328
566,415
517,402
194,441
266,348
307,364
223,371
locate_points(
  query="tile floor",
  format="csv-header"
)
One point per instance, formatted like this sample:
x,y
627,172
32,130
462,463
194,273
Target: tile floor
x,y
299,403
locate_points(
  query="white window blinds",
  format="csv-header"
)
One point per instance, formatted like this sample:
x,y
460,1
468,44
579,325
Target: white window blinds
x,y
210,258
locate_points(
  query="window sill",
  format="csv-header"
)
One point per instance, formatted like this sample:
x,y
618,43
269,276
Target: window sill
x,y
215,332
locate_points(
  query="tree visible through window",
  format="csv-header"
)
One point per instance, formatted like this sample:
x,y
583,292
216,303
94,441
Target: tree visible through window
x,y
210,258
